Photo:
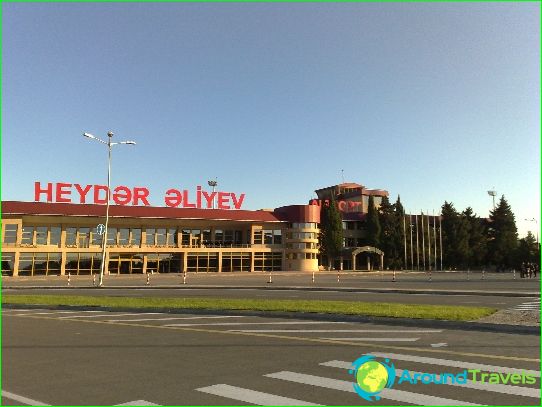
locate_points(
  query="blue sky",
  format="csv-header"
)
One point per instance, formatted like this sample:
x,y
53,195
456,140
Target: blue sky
x,y
430,101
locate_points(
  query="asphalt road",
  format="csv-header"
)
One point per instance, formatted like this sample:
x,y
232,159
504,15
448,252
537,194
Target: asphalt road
x,y
111,358
495,301
440,281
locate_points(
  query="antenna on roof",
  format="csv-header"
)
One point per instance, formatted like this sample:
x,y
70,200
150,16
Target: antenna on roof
x,y
342,176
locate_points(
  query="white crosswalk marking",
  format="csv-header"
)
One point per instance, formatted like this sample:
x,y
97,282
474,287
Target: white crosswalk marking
x,y
527,306
390,394
251,396
498,388
454,363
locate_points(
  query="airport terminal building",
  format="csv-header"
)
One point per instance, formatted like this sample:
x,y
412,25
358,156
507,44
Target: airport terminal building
x,y
52,238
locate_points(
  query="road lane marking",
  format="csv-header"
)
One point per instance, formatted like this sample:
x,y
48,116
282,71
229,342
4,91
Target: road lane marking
x,y
439,345
341,330
497,388
258,323
297,338
376,339
138,403
390,394
454,363
22,399
107,315
252,396
172,318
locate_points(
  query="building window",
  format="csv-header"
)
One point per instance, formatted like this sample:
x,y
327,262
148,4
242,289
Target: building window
x,y
33,264
96,238
54,235
28,235
83,237
268,237
10,234
258,236
71,236
135,237
111,236
172,237
150,237
124,237
41,235
160,237
8,262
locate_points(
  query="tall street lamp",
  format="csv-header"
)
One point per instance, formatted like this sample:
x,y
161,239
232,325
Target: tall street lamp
x,y
109,144
536,226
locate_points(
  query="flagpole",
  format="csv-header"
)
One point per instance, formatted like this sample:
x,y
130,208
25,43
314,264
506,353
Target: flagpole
x,y
440,233
423,242
417,246
435,234
411,247
404,234
428,242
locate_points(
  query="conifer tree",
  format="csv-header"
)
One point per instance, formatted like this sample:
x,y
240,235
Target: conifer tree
x,y
373,224
331,231
503,236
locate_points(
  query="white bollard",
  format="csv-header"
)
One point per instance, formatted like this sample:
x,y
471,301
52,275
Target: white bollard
x,y
430,275
69,278
483,274
94,280
148,279
184,278
514,274
338,277
313,276
270,277
468,274
393,280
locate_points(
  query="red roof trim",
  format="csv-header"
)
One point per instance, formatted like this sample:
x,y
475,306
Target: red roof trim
x,y
147,212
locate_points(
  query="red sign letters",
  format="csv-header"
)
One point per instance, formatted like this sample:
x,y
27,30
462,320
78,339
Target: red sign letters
x,y
63,192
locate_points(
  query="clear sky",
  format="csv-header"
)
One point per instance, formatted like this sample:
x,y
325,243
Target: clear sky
x,y
430,101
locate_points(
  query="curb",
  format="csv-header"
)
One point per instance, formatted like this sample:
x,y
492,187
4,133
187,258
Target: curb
x,y
289,288
432,323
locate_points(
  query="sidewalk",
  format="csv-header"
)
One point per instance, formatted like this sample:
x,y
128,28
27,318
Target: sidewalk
x,y
438,283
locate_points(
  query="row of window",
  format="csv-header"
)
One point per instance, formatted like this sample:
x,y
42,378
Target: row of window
x,y
272,236
302,245
32,264
85,237
301,235
303,225
301,256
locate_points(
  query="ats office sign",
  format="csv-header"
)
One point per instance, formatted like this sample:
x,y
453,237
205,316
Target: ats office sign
x,y
62,192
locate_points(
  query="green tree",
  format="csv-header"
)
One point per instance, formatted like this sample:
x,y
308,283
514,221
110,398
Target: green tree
x,y
477,238
502,235
455,237
400,233
391,233
331,231
372,224
527,251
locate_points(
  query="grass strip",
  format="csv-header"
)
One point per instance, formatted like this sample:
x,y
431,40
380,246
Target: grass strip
x,y
391,310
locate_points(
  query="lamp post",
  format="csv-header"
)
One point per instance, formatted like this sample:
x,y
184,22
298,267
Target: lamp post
x,y
213,184
109,144
492,194
536,226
